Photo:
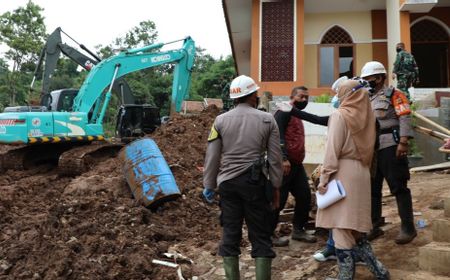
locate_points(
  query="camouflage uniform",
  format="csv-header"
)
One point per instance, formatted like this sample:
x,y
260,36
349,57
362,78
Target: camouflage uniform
x,y
406,70
227,101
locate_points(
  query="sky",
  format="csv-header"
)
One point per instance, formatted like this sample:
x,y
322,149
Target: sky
x,y
99,22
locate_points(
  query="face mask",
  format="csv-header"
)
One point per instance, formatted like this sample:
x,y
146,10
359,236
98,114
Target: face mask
x,y
300,104
398,49
335,102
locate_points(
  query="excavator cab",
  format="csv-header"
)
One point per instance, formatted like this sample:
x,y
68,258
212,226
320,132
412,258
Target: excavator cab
x,y
59,100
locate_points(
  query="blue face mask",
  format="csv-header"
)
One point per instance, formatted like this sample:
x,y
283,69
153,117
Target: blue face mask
x,y
335,102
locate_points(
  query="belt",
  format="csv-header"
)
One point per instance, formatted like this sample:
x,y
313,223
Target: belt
x,y
389,130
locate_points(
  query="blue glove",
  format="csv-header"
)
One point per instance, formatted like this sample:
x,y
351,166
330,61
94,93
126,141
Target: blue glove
x,y
209,195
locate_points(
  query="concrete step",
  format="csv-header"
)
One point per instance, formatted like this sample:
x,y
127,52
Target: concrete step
x,y
435,257
447,207
441,230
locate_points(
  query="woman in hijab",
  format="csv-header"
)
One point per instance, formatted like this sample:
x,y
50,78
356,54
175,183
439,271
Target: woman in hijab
x,y
348,156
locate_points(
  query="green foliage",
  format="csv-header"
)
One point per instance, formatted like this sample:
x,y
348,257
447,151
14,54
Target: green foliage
x,y
323,98
23,32
414,148
139,36
209,80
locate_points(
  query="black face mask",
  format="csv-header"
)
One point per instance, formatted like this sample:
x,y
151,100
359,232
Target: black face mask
x,y
398,49
373,84
300,104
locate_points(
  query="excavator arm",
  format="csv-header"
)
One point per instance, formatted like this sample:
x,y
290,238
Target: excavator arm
x,y
91,95
49,57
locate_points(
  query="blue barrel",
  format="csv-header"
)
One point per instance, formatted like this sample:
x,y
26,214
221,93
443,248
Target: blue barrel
x,y
147,173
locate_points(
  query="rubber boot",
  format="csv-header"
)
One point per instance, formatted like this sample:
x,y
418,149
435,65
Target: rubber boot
x,y
408,231
263,268
346,264
364,251
231,267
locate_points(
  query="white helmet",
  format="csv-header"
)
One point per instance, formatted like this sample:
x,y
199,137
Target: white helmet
x,y
242,86
372,68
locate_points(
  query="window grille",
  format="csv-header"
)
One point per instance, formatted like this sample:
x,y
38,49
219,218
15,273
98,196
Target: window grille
x,y
428,31
336,35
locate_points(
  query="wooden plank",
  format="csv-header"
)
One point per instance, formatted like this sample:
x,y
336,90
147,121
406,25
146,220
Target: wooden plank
x,y
439,166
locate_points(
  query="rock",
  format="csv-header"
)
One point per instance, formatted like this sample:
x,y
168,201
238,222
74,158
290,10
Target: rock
x,y
437,205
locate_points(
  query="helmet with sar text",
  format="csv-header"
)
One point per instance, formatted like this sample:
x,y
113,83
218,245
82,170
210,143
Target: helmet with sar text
x,y
242,86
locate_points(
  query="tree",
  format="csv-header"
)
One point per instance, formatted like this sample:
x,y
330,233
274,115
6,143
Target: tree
x,y
23,31
209,82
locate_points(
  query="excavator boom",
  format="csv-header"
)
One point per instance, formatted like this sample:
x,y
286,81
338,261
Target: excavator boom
x,y
52,51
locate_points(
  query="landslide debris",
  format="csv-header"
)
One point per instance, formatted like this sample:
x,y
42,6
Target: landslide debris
x,y
90,227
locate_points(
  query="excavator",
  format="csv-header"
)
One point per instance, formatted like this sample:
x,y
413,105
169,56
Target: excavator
x,y
146,119
61,134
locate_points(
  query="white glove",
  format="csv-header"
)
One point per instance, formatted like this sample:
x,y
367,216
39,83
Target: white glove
x,y
283,106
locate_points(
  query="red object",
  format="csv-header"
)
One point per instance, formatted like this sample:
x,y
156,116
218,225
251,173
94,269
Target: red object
x,y
295,140
401,103
447,144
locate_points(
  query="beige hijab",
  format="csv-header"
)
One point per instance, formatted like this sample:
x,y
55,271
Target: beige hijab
x,y
359,118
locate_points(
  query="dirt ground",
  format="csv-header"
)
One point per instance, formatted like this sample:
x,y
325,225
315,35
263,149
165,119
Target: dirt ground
x,y
90,226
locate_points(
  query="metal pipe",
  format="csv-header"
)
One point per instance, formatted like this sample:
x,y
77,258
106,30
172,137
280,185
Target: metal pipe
x,y
107,96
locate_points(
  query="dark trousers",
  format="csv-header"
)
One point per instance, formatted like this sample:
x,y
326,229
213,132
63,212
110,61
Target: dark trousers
x,y
396,173
241,200
296,183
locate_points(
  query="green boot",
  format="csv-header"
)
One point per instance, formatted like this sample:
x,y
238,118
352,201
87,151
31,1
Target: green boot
x,y
231,267
263,268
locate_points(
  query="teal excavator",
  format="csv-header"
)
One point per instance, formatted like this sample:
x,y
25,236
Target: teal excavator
x,y
61,133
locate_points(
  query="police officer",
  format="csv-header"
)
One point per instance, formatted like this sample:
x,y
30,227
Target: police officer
x,y
236,145
405,69
391,109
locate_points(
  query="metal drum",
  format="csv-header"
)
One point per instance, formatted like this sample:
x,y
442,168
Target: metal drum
x,y
147,173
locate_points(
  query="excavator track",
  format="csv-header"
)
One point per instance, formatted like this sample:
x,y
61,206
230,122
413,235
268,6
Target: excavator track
x,y
13,159
26,157
78,160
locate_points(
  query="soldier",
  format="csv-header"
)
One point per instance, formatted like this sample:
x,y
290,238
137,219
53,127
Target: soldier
x,y
405,69
391,109
226,100
236,146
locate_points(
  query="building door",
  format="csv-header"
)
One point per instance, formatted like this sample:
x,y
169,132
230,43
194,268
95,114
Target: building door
x,y
430,47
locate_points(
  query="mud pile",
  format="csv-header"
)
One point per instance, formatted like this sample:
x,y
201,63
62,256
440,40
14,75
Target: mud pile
x,y
90,227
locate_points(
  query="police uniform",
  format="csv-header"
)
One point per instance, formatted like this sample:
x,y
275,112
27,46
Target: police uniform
x,y
394,170
236,142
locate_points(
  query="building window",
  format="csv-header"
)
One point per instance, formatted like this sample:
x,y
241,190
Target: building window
x,y
277,41
336,56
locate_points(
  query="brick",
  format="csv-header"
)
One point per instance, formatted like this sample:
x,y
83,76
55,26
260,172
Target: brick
x,y
441,230
435,257
447,207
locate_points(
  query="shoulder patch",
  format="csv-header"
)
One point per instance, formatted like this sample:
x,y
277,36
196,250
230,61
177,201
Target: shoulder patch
x,y
213,134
